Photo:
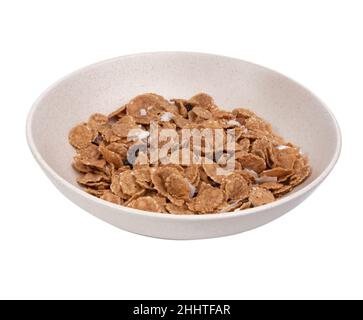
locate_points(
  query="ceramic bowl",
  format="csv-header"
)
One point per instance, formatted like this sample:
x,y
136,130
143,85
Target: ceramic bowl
x,y
294,112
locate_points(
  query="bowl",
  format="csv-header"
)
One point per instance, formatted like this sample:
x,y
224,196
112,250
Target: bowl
x,y
294,112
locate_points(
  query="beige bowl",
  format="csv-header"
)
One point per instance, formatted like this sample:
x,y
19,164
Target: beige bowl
x,y
295,113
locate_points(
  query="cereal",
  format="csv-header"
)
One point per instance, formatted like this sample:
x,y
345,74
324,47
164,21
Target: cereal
x,y
146,107
280,173
95,192
143,177
285,158
161,201
260,196
110,156
89,178
245,205
80,167
118,113
171,183
81,136
211,171
115,185
122,127
159,176
128,183
145,203
172,208
299,176
201,113
177,187
283,190
208,200
93,163
245,144
235,187
242,114
109,196
118,148
203,100
271,185
251,161
192,174
90,152
107,134
97,121
115,163
232,206
262,148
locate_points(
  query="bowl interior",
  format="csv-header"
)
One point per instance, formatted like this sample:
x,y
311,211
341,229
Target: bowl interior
x,y
293,111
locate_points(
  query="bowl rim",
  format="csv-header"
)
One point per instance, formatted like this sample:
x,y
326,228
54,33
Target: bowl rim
x,y
214,216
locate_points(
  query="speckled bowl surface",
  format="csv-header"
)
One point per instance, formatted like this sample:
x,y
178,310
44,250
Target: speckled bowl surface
x,y
295,113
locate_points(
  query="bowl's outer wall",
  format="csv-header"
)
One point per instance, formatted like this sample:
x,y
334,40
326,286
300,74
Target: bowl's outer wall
x,y
294,112
154,226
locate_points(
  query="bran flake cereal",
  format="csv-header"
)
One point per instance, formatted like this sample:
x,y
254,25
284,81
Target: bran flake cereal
x,y
266,166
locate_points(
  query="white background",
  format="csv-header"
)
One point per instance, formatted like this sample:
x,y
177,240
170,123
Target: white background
x,y
50,248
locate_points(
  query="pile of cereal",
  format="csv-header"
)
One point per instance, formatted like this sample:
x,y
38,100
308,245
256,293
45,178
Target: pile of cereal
x,y
265,166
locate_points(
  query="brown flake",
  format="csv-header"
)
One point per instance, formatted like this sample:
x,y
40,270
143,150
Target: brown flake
x,y
192,174
203,100
260,196
128,183
89,178
212,172
145,203
95,163
97,121
110,156
80,167
118,112
94,192
177,188
146,107
201,113
208,200
262,148
122,127
235,187
245,205
281,173
172,208
271,185
251,161
143,177
280,192
81,136
109,196
266,166
285,158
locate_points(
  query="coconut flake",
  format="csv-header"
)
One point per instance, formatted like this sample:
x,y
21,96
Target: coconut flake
x,y
281,147
259,179
233,123
230,206
166,116
252,172
192,189
143,112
